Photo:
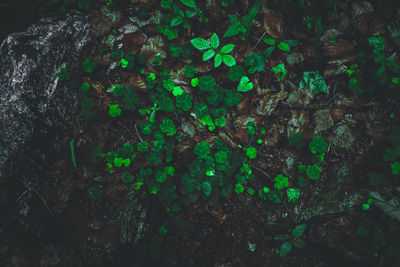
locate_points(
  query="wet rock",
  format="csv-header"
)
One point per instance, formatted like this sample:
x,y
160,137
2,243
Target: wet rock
x,y
33,99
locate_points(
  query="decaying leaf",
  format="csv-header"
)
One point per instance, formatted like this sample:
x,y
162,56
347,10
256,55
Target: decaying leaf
x,y
273,24
269,102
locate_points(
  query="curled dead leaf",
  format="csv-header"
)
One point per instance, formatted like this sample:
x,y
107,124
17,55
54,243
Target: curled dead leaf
x,y
269,102
273,24
364,19
132,42
136,81
154,47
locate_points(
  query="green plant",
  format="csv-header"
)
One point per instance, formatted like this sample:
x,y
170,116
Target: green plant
x,y
318,145
291,240
236,73
296,140
114,111
314,81
243,27
283,45
279,69
95,192
202,44
85,87
245,85
255,61
63,74
293,194
251,152
313,172
281,181
88,66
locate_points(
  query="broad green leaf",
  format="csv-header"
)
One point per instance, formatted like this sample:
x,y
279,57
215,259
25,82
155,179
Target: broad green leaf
x,y
176,21
200,43
190,13
284,46
208,54
268,51
227,48
189,3
229,60
285,249
231,31
269,41
207,188
245,85
299,230
214,41
292,43
218,60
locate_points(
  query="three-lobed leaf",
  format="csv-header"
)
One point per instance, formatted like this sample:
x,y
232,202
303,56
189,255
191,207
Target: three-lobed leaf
x,y
245,85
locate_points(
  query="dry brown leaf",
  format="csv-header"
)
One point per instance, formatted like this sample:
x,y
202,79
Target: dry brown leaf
x,y
338,49
273,24
132,42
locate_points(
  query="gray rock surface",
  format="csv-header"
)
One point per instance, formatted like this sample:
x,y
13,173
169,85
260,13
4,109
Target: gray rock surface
x,y
32,98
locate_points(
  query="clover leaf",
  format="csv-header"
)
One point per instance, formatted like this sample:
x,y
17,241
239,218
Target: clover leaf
x,y
114,111
255,61
313,172
88,66
318,145
239,188
280,181
207,83
184,101
168,127
202,149
251,152
236,73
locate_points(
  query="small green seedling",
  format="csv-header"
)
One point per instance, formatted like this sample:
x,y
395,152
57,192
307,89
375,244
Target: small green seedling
x,y
279,69
88,66
283,46
313,172
281,181
291,240
318,145
296,140
114,111
222,56
293,194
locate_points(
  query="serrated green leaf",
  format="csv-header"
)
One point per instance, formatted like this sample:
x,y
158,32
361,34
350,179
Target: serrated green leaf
x,y
189,3
176,21
229,60
231,31
217,60
284,46
214,41
208,54
227,48
200,43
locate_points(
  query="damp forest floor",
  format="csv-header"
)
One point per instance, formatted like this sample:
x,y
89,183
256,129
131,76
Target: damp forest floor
x,y
333,88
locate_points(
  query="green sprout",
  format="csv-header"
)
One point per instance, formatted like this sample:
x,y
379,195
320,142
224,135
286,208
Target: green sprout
x,y
251,152
313,172
239,188
88,66
318,145
293,194
71,144
255,61
281,181
114,111
280,68
168,127
296,140
85,87
202,44
294,239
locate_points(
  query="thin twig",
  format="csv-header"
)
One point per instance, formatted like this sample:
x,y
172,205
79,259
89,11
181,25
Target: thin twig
x,y
137,132
259,40
258,169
